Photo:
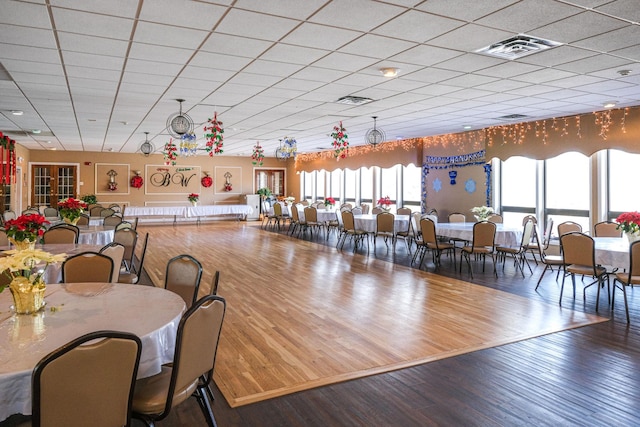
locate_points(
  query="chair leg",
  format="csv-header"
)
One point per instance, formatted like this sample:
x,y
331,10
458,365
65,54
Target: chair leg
x,y
201,395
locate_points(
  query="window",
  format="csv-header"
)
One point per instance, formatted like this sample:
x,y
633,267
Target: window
x,y
389,184
320,183
411,185
350,186
336,184
621,198
366,185
518,189
567,188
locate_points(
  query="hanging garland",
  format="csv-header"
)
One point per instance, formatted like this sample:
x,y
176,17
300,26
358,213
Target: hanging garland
x,y
206,180
487,170
258,154
340,142
214,135
137,181
170,153
7,159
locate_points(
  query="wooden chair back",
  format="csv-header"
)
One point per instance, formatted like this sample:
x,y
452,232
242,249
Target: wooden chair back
x,y
60,235
607,229
568,227
457,217
87,267
115,251
403,211
385,223
484,234
578,249
183,277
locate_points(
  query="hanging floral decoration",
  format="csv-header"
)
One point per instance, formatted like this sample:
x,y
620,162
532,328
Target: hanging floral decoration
x,y
258,154
137,181
213,133
340,142
7,159
170,153
206,180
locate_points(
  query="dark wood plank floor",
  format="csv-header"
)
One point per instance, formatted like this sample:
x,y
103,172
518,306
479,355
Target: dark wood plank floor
x,y
586,376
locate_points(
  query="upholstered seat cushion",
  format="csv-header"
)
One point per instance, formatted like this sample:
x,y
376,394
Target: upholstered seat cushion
x,y
150,394
586,270
623,277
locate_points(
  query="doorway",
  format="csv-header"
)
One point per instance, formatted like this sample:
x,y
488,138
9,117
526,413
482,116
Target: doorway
x,y
52,183
273,179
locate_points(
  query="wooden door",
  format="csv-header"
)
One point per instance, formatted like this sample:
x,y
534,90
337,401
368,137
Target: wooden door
x,y
273,179
52,183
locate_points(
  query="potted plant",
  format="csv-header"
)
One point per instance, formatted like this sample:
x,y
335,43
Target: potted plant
x,y
193,198
89,199
264,192
71,209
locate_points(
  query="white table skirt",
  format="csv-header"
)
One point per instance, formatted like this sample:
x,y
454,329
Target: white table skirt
x,y
368,222
133,211
96,235
151,313
612,251
505,236
187,211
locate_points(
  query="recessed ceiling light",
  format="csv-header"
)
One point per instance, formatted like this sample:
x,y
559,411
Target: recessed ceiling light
x,y
36,131
48,142
17,112
609,104
389,72
466,127
624,72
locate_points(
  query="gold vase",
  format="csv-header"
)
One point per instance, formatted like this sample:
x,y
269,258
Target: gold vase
x,y
71,221
22,245
27,297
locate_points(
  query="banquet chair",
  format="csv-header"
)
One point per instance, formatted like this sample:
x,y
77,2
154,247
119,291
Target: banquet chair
x,y
385,228
406,234
88,381
578,251
116,207
431,242
95,210
83,220
346,205
295,220
495,218
4,239
334,224
311,220
403,211
568,227
87,267
484,234
357,210
214,283
30,211
111,221
630,278
432,211
124,224
50,212
350,231
115,251
607,229
61,234
183,277
304,202
191,372
275,217
416,235
132,276
127,237
8,215
365,208
106,212
457,217
377,210
534,245
518,252
549,261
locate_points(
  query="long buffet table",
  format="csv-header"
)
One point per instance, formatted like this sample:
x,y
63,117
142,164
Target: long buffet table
x,y
188,212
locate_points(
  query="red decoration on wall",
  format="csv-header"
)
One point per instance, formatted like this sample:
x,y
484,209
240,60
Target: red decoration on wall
x,y
206,181
7,159
137,181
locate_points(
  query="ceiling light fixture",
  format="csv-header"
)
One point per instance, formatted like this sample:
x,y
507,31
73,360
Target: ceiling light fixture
x,y
609,104
624,72
36,131
180,123
389,72
375,136
146,148
17,112
353,100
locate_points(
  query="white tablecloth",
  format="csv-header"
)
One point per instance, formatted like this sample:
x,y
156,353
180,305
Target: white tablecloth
x,y
213,210
133,211
368,222
612,251
505,236
151,313
95,235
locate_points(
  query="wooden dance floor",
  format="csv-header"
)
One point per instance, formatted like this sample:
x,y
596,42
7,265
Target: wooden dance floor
x,y
302,315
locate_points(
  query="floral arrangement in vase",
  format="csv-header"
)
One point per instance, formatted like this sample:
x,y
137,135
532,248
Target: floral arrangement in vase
x,y
384,203
26,230
89,199
71,209
340,142
23,267
629,222
193,198
213,132
329,201
258,155
482,212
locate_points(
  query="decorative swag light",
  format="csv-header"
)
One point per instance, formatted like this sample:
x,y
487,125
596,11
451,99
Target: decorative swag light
x,y
188,145
288,149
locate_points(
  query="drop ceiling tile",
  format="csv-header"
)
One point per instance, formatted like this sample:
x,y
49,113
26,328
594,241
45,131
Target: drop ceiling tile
x,y
25,36
557,55
470,37
318,36
29,54
627,8
272,68
255,25
288,8
462,9
32,67
361,15
543,75
122,8
578,27
528,15
53,80
293,54
431,75
376,46
23,13
92,24
612,40
470,62
219,61
631,52
93,74
417,26
254,79
191,14
148,52
166,35
93,61
235,45
343,62
593,63
318,74
91,44
203,73
149,79
425,55
508,69
575,81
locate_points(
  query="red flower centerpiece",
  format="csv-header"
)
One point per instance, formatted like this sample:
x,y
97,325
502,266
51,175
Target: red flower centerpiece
x,y
193,198
26,230
329,201
71,209
385,203
629,222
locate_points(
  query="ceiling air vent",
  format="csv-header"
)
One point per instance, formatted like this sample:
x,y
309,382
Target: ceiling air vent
x,y
353,100
517,47
513,117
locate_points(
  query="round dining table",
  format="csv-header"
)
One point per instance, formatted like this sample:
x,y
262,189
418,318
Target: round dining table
x,y
96,235
75,309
